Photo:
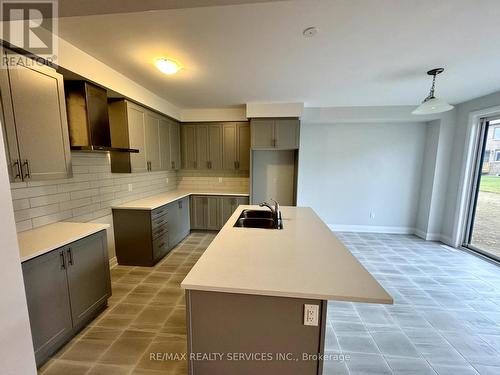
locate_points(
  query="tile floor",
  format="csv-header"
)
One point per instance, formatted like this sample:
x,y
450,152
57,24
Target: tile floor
x,y
146,314
445,319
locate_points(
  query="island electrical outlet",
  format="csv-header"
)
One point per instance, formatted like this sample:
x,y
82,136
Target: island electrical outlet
x,y
311,315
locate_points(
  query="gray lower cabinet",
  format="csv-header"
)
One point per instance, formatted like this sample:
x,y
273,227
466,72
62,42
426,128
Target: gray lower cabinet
x,y
228,205
88,276
212,212
143,237
178,220
65,289
199,215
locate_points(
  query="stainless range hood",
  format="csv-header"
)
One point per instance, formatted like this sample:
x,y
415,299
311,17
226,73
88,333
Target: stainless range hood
x,y
88,119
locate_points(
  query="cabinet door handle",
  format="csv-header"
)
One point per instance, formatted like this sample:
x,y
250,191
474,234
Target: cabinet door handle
x,y
28,173
173,165
235,164
70,254
19,172
195,164
63,263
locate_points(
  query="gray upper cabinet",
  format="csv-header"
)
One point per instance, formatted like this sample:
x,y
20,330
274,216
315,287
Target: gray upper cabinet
x,y
243,142
229,146
34,110
137,137
155,136
165,145
65,289
188,146
152,141
262,133
287,133
215,146
88,276
236,146
275,133
202,146
48,301
127,122
175,145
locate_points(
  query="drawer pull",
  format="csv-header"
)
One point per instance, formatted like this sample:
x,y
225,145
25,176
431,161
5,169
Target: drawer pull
x,y
70,254
63,264
159,231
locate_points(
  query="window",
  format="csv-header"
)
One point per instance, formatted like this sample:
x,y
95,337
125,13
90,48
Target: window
x,y
497,155
496,133
486,157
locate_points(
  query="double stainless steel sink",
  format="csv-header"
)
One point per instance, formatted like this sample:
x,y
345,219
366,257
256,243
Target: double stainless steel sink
x,y
258,219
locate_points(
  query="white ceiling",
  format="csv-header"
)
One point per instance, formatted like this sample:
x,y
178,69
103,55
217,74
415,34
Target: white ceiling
x,y
367,53
71,8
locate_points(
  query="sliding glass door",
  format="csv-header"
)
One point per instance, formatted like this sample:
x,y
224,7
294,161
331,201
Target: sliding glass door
x,y
483,234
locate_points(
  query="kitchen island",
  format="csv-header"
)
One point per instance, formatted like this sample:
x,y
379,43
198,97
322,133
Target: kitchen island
x,y
259,296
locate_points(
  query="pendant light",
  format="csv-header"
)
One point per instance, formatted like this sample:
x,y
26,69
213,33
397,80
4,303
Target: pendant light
x,y
431,104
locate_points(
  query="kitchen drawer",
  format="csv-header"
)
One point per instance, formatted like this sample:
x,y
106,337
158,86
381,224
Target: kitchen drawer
x,y
160,246
160,230
159,221
157,212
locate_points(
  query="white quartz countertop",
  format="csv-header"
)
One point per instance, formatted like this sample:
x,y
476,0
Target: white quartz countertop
x,y
155,201
304,260
39,241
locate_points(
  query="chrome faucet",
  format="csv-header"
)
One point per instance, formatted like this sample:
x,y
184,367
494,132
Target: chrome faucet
x,y
275,211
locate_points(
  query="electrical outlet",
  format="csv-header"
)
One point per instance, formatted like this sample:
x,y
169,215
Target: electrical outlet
x,y
129,187
372,215
311,315
220,180
167,180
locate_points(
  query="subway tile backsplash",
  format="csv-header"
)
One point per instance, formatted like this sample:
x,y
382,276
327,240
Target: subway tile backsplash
x,y
93,190
88,195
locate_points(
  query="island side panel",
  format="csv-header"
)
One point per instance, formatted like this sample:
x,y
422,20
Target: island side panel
x,y
243,323
133,244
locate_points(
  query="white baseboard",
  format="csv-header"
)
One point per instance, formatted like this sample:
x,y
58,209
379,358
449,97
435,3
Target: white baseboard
x,y
393,230
447,240
371,229
113,262
427,236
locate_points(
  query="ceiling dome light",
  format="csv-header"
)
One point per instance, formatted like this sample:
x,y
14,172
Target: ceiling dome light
x,y
431,104
167,66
